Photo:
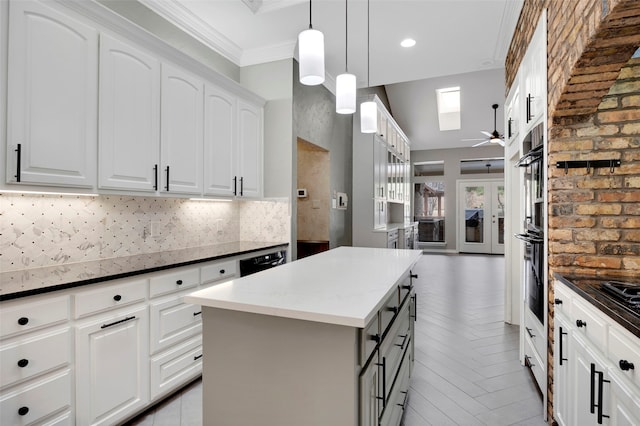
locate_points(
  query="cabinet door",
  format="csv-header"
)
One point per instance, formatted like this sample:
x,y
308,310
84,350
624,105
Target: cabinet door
x,y
563,391
584,381
512,114
625,406
249,150
52,97
219,142
112,366
370,401
129,117
181,131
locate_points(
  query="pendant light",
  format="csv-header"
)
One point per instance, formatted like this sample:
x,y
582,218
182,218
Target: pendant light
x,y
345,82
311,55
368,109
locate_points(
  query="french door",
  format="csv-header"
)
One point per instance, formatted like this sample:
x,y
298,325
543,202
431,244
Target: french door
x,y
481,206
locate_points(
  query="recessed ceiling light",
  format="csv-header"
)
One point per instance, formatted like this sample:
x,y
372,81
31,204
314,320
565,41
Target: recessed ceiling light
x,y
408,42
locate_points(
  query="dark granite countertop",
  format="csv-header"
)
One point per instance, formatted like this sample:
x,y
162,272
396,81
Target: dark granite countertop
x,y
589,289
26,282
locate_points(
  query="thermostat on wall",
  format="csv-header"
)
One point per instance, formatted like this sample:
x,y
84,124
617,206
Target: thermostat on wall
x,y
302,192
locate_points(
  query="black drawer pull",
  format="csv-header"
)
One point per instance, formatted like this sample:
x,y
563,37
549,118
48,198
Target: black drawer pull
x,y
558,301
413,275
197,313
117,298
23,320
117,322
197,357
24,362
404,340
393,309
626,365
222,271
407,287
179,282
23,411
530,333
375,337
580,323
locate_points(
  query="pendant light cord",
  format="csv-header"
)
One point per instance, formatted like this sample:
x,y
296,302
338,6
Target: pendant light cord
x,y
310,26
368,59
346,35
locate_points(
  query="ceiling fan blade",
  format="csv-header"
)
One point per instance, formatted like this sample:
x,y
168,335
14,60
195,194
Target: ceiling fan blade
x,y
500,142
481,143
486,133
476,139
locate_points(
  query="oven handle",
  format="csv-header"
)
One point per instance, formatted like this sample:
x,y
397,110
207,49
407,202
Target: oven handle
x,y
528,238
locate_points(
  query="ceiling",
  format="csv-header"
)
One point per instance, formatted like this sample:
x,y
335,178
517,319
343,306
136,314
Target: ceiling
x,y
453,37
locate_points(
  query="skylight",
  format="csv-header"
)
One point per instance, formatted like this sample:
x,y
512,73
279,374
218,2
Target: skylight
x,y
448,108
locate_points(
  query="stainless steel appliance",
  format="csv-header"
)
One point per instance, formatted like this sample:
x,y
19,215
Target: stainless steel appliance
x,y
260,263
534,226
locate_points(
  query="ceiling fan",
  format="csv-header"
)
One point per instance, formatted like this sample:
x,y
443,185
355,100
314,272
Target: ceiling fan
x,y
493,137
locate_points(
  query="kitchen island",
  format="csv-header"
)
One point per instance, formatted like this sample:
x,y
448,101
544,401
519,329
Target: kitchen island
x,y
326,340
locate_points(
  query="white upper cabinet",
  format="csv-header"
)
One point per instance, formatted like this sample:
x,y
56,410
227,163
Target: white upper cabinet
x,y
534,67
233,145
219,142
129,117
52,97
181,131
249,149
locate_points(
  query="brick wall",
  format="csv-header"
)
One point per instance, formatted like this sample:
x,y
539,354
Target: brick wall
x,y
594,113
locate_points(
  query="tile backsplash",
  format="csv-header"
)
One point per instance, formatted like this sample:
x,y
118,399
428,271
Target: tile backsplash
x,y
42,230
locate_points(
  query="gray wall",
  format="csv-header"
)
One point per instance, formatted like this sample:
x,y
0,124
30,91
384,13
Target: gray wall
x,y
451,158
315,120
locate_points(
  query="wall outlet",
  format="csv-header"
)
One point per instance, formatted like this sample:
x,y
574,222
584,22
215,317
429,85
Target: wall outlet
x,y
219,227
154,229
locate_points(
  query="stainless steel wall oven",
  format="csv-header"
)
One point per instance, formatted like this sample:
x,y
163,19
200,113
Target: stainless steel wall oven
x,y
534,226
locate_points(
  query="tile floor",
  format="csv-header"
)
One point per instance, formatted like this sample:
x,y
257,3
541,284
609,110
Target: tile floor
x,y
467,370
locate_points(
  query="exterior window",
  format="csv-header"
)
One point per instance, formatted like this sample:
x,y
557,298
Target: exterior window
x,y
448,108
429,168
481,165
429,211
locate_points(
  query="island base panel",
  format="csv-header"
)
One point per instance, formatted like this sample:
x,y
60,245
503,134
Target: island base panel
x,y
267,370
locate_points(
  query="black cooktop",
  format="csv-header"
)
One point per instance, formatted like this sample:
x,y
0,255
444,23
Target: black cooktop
x,y
625,293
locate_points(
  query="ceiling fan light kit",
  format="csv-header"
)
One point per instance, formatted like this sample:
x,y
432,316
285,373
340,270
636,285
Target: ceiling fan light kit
x,y
311,55
493,137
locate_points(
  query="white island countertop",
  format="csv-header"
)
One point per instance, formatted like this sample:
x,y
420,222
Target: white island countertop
x,y
343,286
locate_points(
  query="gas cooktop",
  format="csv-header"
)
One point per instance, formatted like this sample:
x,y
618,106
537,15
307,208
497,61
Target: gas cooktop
x,y
626,294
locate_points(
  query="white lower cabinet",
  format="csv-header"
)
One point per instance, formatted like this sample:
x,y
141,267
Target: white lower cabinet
x,y
175,366
595,365
173,321
370,398
112,369
36,402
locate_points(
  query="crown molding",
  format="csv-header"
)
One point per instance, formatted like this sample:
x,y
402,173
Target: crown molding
x,y
177,14
268,54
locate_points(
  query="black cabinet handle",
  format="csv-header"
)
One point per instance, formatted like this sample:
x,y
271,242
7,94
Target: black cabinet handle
x,y
155,177
530,333
197,313
23,411
592,390
415,276
407,287
529,114
384,381
23,363
626,365
404,340
167,187
415,307
557,302
375,337
222,271
580,323
117,322
601,382
509,126
179,282
241,186
527,361
23,320
393,309
235,185
117,298
562,333
19,160
197,357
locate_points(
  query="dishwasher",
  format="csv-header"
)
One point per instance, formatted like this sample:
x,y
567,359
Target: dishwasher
x,y
260,263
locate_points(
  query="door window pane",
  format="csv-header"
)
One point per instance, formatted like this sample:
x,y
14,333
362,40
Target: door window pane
x,y
429,211
500,213
474,202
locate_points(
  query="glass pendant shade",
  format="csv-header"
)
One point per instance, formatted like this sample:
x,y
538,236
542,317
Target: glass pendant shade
x,y
368,117
311,56
346,94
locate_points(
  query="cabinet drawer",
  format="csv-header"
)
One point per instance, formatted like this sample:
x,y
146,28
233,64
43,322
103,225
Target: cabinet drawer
x,y
172,321
405,288
26,404
172,282
392,235
388,311
538,367
19,316
218,271
369,337
399,396
625,348
393,348
175,367
596,327
535,332
562,294
109,296
24,358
